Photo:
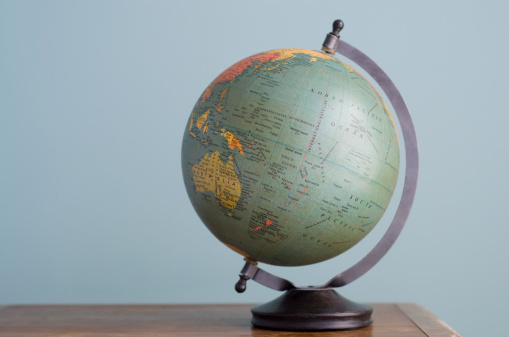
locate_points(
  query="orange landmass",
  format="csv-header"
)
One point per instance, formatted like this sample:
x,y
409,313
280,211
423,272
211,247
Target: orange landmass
x,y
236,69
267,224
212,175
271,55
233,141
201,120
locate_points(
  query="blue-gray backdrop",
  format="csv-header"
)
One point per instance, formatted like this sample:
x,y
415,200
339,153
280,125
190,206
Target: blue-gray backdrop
x,y
94,97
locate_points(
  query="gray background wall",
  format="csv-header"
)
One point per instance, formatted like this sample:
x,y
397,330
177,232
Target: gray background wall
x,y
94,97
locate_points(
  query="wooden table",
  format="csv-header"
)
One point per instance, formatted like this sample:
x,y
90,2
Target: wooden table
x,y
390,320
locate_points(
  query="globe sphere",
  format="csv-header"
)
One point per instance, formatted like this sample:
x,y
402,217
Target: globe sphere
x,y
290,157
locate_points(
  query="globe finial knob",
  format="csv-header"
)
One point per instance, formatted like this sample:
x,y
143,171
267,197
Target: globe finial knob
x,y
332,39
337,26
240,286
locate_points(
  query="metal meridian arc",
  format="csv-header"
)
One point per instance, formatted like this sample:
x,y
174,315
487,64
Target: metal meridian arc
x,y
411,172
251,270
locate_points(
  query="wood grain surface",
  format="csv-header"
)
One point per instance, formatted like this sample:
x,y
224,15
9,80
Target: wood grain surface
x,y
390,320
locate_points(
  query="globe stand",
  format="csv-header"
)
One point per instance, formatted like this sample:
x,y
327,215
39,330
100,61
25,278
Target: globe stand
x,y
322,308
303,308
311,309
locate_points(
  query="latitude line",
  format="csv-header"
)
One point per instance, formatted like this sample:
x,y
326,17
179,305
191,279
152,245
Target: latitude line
x,y
310,154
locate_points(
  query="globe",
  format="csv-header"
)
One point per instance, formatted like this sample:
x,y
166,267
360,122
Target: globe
x,y
290,157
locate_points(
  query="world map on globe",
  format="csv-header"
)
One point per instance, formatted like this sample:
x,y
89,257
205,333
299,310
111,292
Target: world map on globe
x,y
290,157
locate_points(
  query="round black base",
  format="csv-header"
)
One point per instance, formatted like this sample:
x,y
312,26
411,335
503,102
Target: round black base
x,y
311,309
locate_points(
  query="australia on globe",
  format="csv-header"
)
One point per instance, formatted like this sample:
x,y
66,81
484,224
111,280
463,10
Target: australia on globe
x,y
290,157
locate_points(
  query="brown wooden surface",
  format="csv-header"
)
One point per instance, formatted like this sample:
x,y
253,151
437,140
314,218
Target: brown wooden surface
x,y
390,320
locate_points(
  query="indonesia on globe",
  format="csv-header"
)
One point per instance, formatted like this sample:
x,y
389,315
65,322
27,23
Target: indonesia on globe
x,y
290,157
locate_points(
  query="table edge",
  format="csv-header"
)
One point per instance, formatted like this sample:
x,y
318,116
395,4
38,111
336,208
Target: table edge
x,y
428,322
